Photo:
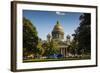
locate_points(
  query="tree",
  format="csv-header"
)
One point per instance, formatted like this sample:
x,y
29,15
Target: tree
x,y
50,47
83,33
40,48
30,38
46,48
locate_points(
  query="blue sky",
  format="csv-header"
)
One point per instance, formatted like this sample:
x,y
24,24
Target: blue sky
x,y
44,21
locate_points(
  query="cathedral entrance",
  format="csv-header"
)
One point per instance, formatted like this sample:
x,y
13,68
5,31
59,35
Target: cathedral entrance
x,y
63,51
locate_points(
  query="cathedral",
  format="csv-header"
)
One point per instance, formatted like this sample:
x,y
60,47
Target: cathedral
x,y
57,35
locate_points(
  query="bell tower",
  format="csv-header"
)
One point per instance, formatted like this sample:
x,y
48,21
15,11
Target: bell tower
x,y
49,37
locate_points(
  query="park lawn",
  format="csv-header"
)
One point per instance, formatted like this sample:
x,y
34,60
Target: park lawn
x,y
53,59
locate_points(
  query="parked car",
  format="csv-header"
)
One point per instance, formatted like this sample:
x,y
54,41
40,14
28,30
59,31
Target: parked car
x,y
52,56
55,56
60,56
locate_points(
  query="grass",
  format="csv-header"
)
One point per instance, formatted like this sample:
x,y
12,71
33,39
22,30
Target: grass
x,y
53,59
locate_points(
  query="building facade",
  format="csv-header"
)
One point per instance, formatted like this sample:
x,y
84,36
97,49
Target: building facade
x,y
57,35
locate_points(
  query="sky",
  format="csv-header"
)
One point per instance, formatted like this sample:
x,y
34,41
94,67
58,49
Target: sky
x,y
44,21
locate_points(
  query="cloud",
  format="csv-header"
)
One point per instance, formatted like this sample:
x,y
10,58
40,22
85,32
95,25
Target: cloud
x,y
60,13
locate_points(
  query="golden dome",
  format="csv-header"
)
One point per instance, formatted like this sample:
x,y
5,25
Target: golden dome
x,y
58,28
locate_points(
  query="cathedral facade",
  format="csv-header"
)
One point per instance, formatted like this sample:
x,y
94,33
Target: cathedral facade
x,y
57,35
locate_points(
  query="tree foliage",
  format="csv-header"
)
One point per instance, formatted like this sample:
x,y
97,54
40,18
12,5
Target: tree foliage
x,y
83,33
50,47
30,38
53,49
40,48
